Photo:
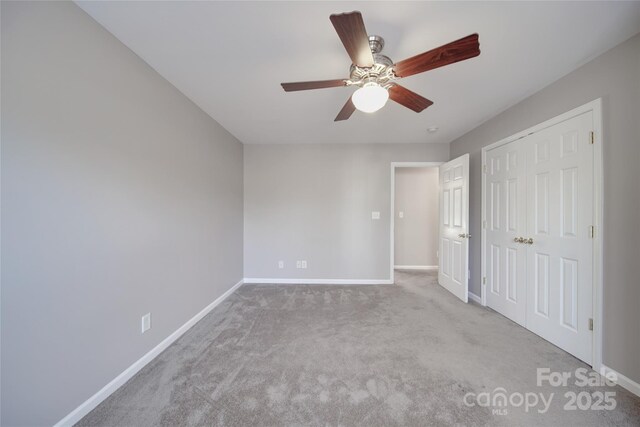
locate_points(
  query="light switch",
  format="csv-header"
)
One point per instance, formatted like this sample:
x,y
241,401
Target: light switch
x,y
280,264
400,214
375,215
146,322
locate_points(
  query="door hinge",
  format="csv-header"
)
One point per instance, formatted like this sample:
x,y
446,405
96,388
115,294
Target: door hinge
x,y
592,137
591,324
484,280
592,231
484,168
484,224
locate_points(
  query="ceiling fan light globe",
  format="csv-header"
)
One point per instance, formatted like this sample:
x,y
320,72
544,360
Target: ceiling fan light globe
x,y
370,98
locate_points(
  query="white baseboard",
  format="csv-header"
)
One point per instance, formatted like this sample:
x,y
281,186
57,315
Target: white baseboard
x,y
86,407
474,297
318,281
621,380
415,267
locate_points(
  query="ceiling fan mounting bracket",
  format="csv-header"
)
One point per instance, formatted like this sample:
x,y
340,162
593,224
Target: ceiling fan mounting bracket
x,y
376,43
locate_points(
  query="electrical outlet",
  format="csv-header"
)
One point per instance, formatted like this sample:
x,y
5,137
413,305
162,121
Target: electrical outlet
x,y
280,264
298,264
146,322
400,214
304,264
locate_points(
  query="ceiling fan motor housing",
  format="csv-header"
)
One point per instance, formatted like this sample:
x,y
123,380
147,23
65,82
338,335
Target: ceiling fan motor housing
x,y
381,72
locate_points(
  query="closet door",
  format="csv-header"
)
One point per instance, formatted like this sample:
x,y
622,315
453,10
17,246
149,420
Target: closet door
x,y
505,228
560,249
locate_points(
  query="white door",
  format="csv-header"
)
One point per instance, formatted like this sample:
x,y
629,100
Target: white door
x,y
560,216
505,228
453,271
538,250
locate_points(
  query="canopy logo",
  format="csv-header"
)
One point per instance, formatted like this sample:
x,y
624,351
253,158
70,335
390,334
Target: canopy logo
x,y
499,400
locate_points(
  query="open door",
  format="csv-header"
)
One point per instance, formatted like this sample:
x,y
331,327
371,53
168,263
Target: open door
x,y
453,260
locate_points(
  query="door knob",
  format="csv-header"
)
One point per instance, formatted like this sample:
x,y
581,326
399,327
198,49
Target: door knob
x,y
519,239
464,236
528,241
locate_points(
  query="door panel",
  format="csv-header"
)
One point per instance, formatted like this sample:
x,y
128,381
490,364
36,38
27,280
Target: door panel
x,y
506,220
446,203
457,262
445,257
453,272
512,205
569,202
457,207
541,284
561,188
541,197
511,276
569,293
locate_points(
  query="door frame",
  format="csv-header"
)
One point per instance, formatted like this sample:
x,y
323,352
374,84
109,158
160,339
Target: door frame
x,y
392,211
595,107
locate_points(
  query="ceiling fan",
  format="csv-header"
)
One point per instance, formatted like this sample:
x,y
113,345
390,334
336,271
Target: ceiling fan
x,y
376,75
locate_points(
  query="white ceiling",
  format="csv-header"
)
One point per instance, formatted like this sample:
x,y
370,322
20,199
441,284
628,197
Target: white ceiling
x,y
230,57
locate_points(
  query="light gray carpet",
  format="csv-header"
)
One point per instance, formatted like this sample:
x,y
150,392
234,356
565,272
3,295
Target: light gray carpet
x,y
350,355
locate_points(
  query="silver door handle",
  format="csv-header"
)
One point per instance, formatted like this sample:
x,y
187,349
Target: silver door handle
x,y
528,241
464,236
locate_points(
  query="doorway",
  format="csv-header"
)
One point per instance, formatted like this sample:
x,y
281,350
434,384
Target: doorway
x,y
414,216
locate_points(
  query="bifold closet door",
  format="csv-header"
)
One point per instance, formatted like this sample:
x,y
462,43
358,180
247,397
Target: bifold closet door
x,y
506,225
560,198
539,207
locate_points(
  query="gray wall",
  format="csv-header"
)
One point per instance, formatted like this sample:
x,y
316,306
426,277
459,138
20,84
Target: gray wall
x,y
416,234
314,202
119,197
614,76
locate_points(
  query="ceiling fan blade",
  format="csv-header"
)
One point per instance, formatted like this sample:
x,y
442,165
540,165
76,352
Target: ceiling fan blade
x,y
409,99
459,50
350,29
346,111
320,84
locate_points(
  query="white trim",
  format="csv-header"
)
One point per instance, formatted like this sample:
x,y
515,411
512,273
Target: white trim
x,y
276,281
620,379
415,267
598,178
474,297
392,207
88,405
595,106
483,231
598,245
